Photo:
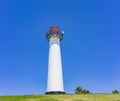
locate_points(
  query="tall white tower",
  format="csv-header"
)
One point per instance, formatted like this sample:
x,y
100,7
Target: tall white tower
x,y
55,78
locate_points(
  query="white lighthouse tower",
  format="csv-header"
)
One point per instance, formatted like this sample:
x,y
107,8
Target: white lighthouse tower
x,y
55,78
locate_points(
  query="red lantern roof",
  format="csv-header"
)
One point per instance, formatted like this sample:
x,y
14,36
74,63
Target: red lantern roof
x,y
54,30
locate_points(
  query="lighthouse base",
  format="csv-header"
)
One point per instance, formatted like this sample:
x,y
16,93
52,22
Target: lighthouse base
x,y
55,92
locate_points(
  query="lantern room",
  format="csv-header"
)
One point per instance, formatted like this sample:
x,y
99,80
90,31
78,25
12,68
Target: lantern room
x,y
54,31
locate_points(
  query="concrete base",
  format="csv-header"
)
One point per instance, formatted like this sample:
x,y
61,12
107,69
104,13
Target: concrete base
x,y
55,92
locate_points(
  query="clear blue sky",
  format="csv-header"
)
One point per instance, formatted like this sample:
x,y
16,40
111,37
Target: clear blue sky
x,y
90,49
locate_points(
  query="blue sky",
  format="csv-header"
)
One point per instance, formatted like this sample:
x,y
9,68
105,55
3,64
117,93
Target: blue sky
x,y
90,48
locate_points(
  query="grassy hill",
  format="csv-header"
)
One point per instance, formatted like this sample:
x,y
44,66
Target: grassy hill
x,y
66,97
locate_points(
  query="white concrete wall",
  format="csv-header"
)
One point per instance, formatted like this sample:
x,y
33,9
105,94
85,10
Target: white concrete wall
x,y
55,79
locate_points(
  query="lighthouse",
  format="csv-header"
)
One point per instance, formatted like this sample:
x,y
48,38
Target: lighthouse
x,y
55,77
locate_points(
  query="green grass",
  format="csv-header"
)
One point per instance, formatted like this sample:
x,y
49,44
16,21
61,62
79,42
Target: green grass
x,y
66,97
